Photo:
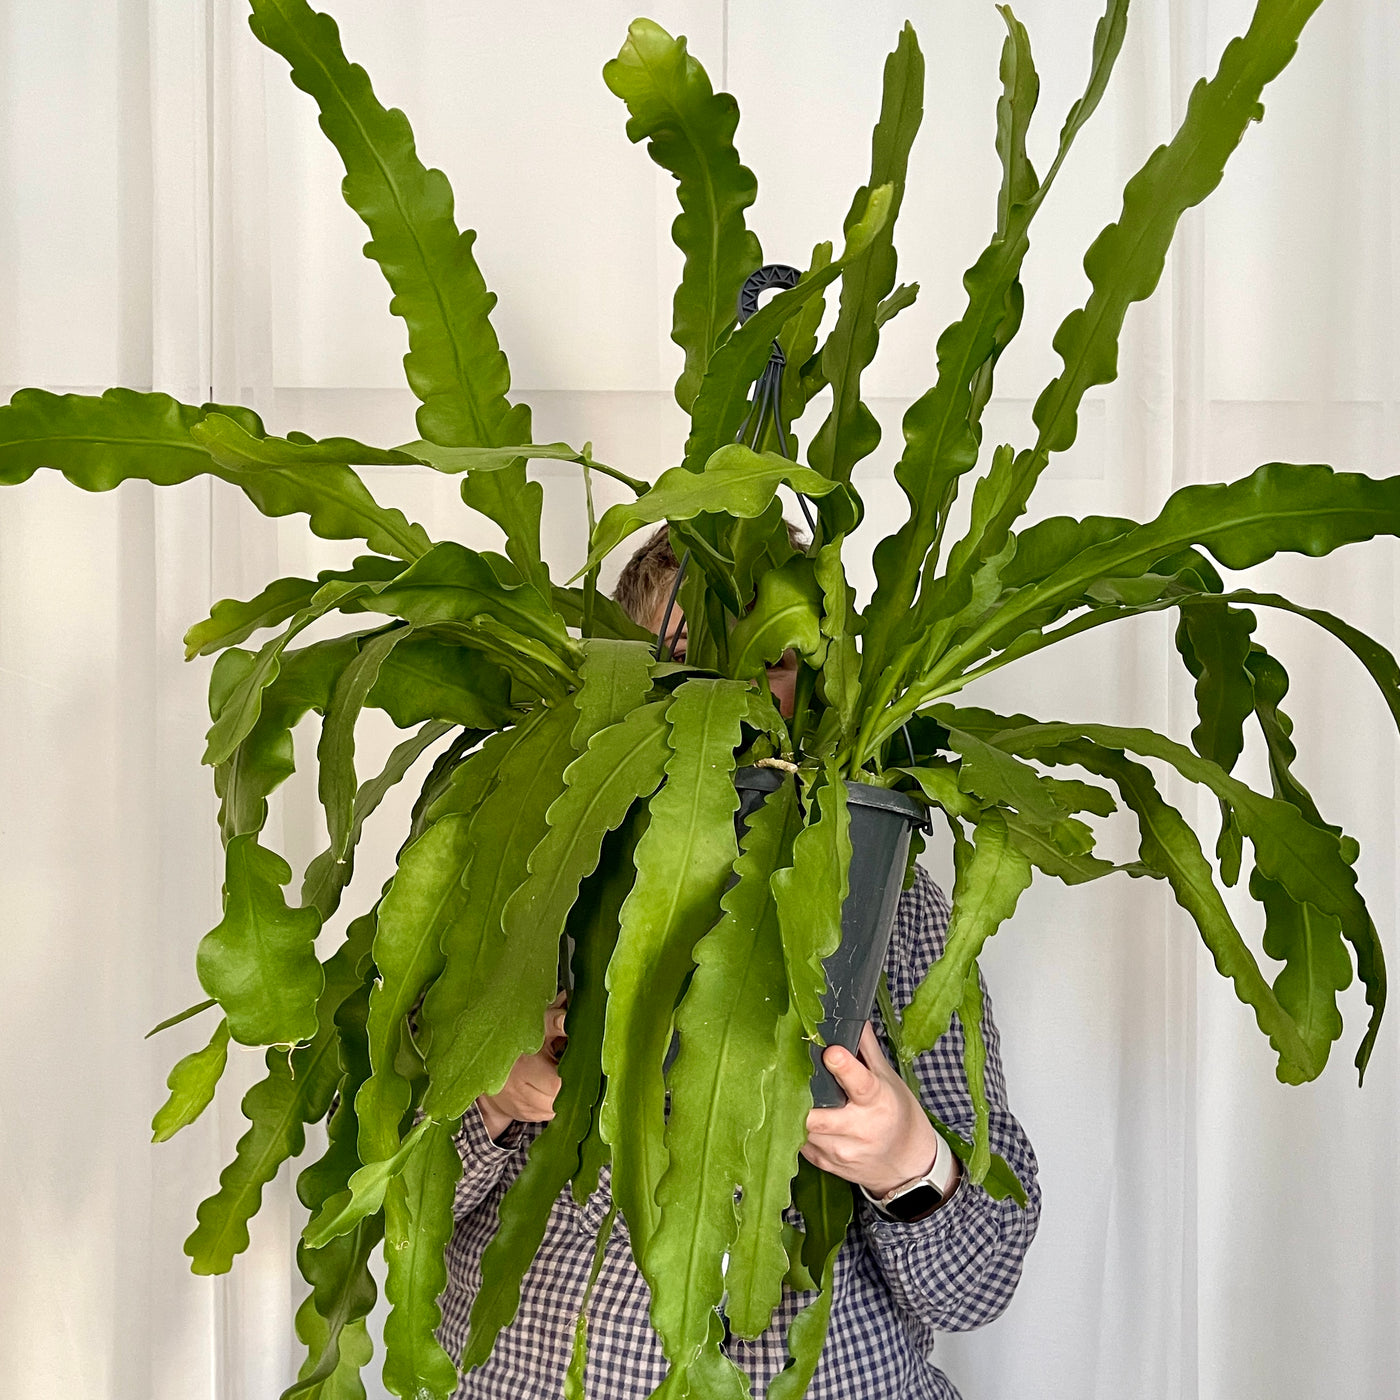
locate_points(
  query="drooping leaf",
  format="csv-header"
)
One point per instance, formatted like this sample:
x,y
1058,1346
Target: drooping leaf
x,y
991,873
505,1019
689,129
975,1070
259,961
578,1356
335,755
1168,844
850,431
364,1195
758,1262
986,772
192,1083
424,901
810,894
326,876
727,1023
179,1016
417,1227
506,826
1307,858
1214,640
1316,963
554,1156
683,864
734,480
826,1204
297,1090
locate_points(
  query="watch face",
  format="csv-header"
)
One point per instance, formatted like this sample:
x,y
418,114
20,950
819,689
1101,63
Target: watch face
x,y
915,1204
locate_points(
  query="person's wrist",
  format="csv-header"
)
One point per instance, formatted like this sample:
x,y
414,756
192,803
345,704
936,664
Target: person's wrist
x,y
914,1157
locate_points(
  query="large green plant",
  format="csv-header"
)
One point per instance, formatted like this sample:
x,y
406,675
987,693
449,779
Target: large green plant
x,y
580,787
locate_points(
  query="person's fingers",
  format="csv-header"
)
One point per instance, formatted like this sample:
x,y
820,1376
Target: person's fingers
x,y
861,1085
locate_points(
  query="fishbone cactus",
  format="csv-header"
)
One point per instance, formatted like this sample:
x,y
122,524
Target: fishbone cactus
x,y
582,790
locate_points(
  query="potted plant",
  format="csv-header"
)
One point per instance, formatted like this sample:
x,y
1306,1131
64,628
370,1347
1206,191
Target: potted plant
x,y
582,792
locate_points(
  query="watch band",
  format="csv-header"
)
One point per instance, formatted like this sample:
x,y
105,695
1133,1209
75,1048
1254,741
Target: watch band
x,y
921,1197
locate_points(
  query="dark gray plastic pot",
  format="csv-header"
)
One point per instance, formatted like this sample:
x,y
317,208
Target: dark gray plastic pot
x,y
881,824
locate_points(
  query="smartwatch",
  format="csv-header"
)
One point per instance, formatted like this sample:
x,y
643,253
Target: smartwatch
x,y
917,1199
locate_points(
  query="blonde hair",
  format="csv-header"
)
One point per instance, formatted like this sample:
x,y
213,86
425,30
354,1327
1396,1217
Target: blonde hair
x,y
646,579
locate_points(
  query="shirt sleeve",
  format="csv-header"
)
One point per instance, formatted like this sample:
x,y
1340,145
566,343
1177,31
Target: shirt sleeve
x,y
958,1268
485,1161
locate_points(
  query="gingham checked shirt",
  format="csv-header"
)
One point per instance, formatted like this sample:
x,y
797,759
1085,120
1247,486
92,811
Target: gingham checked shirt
x,y
896,1286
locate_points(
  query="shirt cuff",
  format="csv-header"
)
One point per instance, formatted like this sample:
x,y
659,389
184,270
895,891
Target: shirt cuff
x,y
950,1210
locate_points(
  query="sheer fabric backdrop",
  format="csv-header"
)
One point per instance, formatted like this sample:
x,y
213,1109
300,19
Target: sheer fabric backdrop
x,y
171,219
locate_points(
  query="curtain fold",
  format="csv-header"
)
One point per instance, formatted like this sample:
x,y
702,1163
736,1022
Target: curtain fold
x,y
172,220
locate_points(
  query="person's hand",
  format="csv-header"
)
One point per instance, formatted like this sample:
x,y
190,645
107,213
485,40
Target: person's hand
x,y
882,1137
527,1096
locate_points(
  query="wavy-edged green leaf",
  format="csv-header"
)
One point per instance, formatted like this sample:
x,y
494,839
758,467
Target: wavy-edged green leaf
x,y
240,710
506,826
798,340
841,665
616,676
554,1156
850,431
259,960
1064,849
364,1195
758,1261
192,1083
1168,844
283,477
505,1019
1279,508
331,1319
683,864
810,894
786,613
985,771
1214,641
423,679
827,1205
426,898
975,1071
455,584
690,132
735,480
578,1356
417,1227
938,781
722,401
231,619
941,441
1309,859
335,754
990,874
297,1090
1001,1182
98,442
1316,963
901,299
265,757
454,363
727,1022
326,877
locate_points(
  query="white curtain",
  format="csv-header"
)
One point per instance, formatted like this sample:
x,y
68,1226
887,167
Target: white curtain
x,y
171,218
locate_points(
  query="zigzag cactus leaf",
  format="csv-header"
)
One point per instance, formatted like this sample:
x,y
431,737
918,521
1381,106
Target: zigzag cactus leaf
x,y
727,1022
689,130
683,863
554,1156
417,1226
259,961
192,1083
990,875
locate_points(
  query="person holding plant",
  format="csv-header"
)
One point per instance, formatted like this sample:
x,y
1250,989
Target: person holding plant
x,y
932,1252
